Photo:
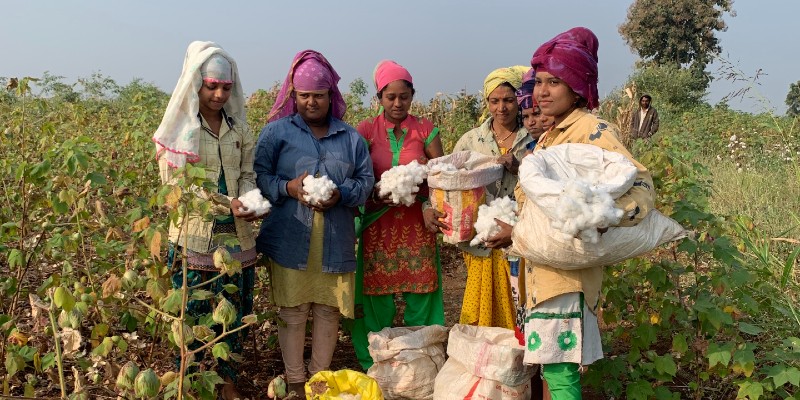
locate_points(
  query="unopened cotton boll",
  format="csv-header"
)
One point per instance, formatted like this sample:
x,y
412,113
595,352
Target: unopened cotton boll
x,y
582,208
318,189
503,209
402,182
253,201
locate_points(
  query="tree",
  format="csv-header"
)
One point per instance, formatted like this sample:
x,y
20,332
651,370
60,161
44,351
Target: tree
x,y
793,100
676,32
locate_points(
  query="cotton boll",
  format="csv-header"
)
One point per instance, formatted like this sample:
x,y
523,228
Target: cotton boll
x,y
503,209
253,201
443,167
318,189
402,182
582,208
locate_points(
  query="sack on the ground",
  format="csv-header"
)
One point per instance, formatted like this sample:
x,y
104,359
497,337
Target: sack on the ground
x,y
458,193
483,363
543,175
343,384
407,359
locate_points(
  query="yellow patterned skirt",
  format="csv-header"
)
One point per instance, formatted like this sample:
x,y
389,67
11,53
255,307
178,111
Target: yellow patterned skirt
x,y
487,297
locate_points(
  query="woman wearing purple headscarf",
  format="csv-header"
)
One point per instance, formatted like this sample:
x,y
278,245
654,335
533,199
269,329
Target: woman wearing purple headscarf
x,y
561,330
310,245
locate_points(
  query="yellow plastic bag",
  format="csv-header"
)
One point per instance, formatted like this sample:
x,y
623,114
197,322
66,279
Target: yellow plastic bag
x,y
343,384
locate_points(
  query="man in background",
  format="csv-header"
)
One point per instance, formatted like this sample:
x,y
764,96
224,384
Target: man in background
x,y
644,123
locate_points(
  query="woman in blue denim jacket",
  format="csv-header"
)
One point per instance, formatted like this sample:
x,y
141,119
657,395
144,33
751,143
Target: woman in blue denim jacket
x,y
311,247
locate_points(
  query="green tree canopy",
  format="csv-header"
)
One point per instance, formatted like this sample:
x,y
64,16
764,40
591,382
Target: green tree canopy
x,y
793,100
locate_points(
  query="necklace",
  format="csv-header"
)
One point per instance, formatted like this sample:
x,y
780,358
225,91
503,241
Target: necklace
x,y
498,140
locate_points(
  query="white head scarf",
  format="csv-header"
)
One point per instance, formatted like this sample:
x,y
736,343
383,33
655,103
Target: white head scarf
x,y
177,136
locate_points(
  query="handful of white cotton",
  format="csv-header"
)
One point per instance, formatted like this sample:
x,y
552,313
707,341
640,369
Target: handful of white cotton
x,y
402,182
503,208
318,189
443,167
582,208
253,201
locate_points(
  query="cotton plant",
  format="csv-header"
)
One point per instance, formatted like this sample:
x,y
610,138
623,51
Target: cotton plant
x,y
318,190
402,182
254,201
503,209
582,208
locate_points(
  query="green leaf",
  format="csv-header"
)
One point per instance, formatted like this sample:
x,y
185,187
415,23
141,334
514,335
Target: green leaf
x,y
679,344
15,259
750,390
665,365
639,390
63,299
14,363
749,329
221,350
173,301
104,348
48,361
781,374
719,354
662,393
744,361
96,178
231,288
199,294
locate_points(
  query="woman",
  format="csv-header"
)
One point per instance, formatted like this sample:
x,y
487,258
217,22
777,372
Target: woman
x,y
487,297
398,250
533,120
566,89
205,123
311,247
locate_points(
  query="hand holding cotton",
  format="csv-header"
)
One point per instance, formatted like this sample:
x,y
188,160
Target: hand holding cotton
x,y
402,182
253,201
318,189
503,209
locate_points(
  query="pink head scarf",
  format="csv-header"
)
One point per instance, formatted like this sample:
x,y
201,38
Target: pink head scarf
x,y
388,71
310,70
572,57
525,92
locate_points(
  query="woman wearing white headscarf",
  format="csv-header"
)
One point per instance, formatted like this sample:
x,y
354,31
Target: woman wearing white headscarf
x,y
205,124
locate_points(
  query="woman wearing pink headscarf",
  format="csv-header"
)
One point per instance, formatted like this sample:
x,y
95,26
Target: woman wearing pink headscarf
x,y
310,246
561,330
398,251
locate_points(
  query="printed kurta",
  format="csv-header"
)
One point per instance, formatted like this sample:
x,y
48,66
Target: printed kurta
x,y
399,253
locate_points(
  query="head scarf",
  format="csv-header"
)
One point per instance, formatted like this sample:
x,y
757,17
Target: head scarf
x,y
217,69
572,57
525,92
511,75
310,70
177,135
388,71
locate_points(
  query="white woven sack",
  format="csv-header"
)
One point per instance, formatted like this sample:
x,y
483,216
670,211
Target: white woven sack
x,y
407,360
456,382
481,170
534,240
488,352
544,173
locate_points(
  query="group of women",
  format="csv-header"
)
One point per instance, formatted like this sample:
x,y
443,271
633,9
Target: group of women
x,y
321,262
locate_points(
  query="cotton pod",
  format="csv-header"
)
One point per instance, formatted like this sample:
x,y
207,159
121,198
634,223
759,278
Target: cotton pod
x,y
402,182
254,201
127,376
503,209
318,189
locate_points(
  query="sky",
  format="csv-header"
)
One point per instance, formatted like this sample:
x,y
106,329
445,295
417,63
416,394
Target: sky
x,y
447,45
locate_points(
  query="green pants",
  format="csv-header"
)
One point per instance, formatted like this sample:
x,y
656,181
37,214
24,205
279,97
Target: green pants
x,y
563,381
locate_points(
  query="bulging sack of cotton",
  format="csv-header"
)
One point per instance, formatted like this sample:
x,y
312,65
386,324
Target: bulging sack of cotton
x,y
254,201
402,182
566,173
457,183
318,189
484,363
503,209
407,359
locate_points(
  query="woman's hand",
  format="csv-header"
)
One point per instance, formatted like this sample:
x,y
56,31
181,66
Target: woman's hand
x,y
502,238
509,162
385,200
433,220
295,189
323,206
246,214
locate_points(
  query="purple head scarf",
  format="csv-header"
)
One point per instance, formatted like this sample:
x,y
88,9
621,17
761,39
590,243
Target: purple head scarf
x,y
572,57
525,92
310,70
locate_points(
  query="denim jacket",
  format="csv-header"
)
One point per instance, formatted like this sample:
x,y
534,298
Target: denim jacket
x,y
286,148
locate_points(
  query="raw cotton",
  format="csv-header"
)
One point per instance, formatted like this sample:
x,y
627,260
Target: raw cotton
x,y
318,189
582,208
443,167
253,201
503,209
402,182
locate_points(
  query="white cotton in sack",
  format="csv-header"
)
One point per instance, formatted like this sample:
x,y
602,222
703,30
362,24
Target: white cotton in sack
x,y
253,201
502,208
318,189
582,208
402,182
443,167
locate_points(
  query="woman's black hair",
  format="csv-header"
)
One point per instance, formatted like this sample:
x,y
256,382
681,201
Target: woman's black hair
x,y
409,84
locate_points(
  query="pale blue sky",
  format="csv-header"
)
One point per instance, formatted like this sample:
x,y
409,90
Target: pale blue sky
x,y
447,45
